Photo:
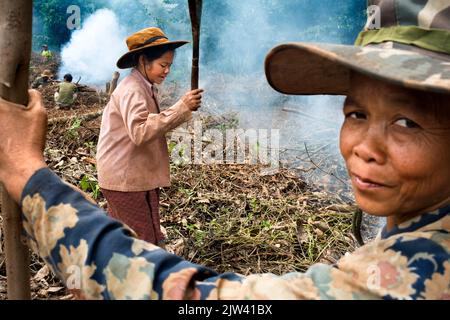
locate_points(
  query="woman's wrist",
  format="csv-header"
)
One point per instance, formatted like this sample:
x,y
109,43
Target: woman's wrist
x,y
18,177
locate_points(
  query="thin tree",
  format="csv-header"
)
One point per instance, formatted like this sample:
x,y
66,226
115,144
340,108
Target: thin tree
x,y
15,48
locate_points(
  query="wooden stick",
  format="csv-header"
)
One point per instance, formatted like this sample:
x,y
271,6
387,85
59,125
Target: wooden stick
x,y
15,49
195,11
113,83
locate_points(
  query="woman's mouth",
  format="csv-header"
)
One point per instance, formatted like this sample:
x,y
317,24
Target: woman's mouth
x,y
366,184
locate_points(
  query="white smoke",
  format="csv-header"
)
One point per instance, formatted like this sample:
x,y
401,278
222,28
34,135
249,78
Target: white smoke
x,y
93,51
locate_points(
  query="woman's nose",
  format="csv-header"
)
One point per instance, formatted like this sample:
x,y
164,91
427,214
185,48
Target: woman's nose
x,y
371,147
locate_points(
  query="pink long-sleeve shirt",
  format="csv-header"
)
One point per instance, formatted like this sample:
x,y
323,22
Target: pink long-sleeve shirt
x,y
132,153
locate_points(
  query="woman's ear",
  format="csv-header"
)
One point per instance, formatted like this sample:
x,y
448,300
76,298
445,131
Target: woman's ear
x,y
140,61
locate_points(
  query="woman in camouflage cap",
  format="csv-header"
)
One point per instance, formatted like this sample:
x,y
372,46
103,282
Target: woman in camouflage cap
x,y
395,141
395,138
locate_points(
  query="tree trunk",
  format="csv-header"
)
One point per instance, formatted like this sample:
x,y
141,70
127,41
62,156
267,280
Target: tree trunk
x,y
113,83
15,48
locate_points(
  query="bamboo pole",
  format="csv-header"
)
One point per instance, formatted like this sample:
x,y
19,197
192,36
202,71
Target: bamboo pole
x,y
15,48
195,11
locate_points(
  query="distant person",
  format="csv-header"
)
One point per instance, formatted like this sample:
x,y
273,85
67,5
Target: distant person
x,y
395,141
46,54
43,80
132,153
66,94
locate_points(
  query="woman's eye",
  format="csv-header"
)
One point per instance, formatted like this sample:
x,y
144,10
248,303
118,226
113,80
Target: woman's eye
x,y
406,123
356,115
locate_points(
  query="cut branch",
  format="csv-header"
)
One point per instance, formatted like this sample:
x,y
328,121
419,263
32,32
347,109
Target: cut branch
x,y
195,11
85,117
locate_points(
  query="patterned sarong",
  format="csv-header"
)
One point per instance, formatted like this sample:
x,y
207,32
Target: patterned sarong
x,y
138,210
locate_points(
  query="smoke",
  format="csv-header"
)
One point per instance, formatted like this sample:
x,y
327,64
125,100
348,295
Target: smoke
x,y
138,14
232,74
93,51
246,30
243,39
236,36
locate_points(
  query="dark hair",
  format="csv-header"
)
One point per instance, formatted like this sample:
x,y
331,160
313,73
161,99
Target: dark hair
x,y
152,53
68,77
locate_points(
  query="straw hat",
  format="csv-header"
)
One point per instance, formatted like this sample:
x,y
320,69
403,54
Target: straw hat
x,y
144,40
47,73
411,48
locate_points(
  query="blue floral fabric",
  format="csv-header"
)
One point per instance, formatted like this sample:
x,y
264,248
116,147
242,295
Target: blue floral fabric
x,y
100,258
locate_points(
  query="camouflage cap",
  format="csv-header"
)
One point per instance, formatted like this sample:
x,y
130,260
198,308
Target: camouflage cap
x,y
405,42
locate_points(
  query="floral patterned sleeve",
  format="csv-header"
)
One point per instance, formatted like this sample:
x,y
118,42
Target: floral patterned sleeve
x,y
101,258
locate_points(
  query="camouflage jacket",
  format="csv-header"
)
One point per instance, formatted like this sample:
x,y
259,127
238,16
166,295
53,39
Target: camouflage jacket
x,y
100,257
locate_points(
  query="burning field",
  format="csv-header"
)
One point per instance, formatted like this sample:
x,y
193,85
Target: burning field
x,y
239,217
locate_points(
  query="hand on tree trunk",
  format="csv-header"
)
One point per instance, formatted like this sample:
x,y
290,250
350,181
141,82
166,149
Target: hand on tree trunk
x,y
22,132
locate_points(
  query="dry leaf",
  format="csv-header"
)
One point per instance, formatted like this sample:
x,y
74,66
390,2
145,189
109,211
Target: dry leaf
x,y
42,273
54,289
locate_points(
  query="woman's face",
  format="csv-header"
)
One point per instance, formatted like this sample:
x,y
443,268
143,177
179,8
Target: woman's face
x,y
157,70
397,150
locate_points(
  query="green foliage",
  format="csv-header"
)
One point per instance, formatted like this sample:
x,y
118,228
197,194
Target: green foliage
x,y
195,233
178,153
266,225
72,132
90,184
231,123
188,192
254,205
90,145
50,20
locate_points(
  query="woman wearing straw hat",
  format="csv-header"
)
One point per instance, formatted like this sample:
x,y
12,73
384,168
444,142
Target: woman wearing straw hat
x,y
132,154
396,143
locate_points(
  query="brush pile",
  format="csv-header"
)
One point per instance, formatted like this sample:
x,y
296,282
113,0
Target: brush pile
x,y
235,218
